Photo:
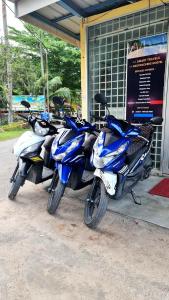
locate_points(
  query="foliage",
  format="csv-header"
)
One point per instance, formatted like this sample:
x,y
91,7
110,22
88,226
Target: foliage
x,y
2,77
3,101
29,64
63,59
13,126
56,89
6,135
64,92
55,83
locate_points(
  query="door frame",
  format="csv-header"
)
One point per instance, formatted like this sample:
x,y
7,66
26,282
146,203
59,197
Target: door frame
x,y
165,136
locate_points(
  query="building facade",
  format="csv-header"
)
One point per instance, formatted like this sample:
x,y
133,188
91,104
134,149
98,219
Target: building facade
x,y
106,56
103,30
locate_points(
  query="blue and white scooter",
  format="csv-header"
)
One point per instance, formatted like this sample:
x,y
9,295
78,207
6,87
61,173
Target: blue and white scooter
x,y
32,151
121,156
71,151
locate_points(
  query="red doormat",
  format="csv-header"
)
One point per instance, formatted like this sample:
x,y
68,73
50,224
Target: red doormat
x,y
161,189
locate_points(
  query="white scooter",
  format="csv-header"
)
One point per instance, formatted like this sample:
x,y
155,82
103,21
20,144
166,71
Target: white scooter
x,y
33,164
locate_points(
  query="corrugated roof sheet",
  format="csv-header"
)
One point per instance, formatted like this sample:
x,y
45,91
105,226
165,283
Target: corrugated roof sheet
x,y
65,15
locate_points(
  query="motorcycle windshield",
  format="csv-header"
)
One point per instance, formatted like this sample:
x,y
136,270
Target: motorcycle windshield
x,y
122,127
68,135
108,143
79,125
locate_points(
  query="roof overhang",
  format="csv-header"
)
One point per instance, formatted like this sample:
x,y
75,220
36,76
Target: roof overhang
x,y
62,18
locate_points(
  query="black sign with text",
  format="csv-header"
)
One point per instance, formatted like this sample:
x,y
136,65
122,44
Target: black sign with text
x,y
145,79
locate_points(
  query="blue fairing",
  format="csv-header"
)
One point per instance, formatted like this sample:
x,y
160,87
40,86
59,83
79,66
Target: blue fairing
x,y
116,124
68,156
112,156
64,172
112,147
63,149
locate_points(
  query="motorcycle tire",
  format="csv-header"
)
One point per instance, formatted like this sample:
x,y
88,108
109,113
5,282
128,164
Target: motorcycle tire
x,y
55,198
147,172
16,184
100,202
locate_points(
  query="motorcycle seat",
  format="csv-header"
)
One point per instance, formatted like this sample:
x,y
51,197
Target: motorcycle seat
x,y
134,147
137,143
146,131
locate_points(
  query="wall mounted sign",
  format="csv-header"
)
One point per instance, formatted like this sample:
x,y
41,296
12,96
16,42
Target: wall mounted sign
x,y
37,102
145,78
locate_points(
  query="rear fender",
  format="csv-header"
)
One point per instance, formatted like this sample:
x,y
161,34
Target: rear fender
x,y
64,172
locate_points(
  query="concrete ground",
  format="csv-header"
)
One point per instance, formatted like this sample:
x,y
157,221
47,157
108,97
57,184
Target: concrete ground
x,y
154,209
59,258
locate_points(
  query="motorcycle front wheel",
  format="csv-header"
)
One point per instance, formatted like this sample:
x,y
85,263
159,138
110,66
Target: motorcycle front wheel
x,y
55,198
95,204
16,184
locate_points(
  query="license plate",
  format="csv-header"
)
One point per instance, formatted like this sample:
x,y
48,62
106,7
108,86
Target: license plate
x,y
36,158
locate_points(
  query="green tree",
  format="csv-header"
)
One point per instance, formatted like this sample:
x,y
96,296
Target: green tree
x,y
28,55
63,59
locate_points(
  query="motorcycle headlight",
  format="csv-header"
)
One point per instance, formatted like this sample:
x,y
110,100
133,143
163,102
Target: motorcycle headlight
x,y
118,151
40,130
101,162
62,155
31,148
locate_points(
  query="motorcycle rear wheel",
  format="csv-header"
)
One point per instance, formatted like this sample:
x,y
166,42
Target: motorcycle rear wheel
x,y
95,205
16,184
55,198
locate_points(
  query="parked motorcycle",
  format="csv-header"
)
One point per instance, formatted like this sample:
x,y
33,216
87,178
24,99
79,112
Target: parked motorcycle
x,y
71,151
31,165
121,156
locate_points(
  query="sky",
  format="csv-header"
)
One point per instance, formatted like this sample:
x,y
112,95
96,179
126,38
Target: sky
x,y
12,21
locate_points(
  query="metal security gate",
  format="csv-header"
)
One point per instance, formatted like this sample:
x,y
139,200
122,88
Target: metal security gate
x,y
107,44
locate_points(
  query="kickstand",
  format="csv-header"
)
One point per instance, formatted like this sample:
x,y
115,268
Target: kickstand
x,y
134,197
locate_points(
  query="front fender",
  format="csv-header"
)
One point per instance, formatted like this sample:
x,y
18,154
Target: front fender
x,y
23,167
109,179
64,172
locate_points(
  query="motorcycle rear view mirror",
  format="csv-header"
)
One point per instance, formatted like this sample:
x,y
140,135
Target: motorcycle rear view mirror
x,y
100,98
25,103
58,101
156,121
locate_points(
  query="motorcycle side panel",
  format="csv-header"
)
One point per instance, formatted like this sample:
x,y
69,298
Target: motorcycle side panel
x,y
35,173
75,178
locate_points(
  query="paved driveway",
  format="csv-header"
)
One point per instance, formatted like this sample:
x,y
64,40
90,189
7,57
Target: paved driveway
x,y
59,258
